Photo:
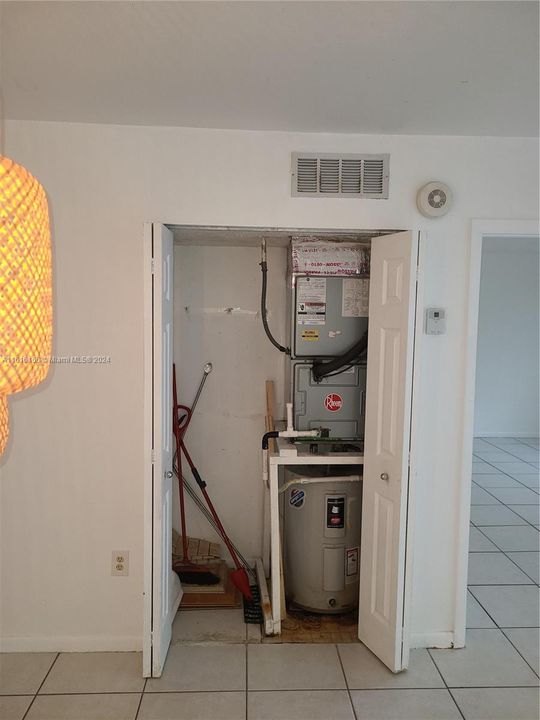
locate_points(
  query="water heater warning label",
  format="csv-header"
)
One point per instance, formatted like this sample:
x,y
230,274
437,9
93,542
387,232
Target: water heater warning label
x,y
311,301
335,513
351,565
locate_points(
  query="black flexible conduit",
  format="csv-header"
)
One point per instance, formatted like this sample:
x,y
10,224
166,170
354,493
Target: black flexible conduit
x,y
264,270
266,437
322,369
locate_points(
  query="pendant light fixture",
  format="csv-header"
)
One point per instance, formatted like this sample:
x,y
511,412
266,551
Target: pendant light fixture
x,y
25,285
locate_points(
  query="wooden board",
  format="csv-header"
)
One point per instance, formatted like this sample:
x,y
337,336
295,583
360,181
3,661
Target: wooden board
x,y
270,423
266,605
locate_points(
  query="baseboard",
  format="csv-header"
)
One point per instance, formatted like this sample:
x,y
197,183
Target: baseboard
x,y
72,643
432,640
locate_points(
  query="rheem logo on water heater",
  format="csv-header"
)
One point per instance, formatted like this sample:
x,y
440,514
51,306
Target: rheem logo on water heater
x,y
333,402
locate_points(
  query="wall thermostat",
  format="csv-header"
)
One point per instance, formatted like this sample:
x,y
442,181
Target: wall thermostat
x,y
435,321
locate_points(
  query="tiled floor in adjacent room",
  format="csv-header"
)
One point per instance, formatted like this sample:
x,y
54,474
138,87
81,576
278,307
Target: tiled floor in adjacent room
x,y
217,668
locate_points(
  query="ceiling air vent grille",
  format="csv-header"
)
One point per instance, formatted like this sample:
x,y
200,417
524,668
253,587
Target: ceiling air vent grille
x,y
360,176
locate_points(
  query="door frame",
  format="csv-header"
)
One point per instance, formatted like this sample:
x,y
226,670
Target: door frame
x,y
479,229
414,444
148,477
148,284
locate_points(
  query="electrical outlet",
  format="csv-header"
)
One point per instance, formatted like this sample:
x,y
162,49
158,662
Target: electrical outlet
x,y
120,562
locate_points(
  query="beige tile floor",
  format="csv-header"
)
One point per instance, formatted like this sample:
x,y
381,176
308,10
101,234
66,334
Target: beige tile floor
x,y
217,668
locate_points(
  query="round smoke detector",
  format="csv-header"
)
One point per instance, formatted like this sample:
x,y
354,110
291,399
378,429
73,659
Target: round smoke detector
x,y
434,199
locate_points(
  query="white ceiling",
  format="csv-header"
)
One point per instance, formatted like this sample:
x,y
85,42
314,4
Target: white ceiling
x,y
445,68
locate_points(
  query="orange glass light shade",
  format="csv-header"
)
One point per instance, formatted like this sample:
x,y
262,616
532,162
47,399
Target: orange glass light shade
x,y
4,423
25,282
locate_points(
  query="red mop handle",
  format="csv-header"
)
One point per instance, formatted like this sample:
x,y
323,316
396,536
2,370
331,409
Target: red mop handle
x,y
178,436
201,483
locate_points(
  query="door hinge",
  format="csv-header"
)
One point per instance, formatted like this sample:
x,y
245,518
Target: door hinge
x,y
153,456
152,266
417,273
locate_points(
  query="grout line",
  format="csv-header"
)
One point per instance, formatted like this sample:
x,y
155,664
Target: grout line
x,y
400,689
497,627
488,490
158,692
504,552
247,689
509,453
498,471
492,687
305,689
105,692
41,685
444,681
140,700
523,524
346,681
502,584
517,649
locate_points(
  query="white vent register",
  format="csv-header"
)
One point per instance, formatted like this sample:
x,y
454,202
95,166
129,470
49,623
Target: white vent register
x,y
327,174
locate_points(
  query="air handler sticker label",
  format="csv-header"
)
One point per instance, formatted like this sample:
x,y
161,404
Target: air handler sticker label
x,y
310,335
351,565
311,301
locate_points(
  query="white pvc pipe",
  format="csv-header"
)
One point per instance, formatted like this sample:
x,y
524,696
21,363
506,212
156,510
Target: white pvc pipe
x,y
265,467
313,481
290,425
299,433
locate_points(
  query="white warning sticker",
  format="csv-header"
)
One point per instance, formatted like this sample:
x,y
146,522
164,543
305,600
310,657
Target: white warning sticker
x,y
351,565
355,297
311,301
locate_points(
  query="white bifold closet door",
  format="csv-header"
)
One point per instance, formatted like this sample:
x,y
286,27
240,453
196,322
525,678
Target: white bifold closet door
x,y
163,590
392,309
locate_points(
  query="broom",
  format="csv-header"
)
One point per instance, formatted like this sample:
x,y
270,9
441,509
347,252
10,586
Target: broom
x,y
239,576
188,572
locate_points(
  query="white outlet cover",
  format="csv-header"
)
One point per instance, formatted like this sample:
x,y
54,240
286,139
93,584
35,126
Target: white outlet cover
x,y
120,563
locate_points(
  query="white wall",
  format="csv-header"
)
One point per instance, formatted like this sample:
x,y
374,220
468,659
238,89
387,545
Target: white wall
x,y
71,485
225,433
506,399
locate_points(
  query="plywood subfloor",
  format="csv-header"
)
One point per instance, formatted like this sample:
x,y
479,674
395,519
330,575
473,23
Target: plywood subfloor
x,y
303,627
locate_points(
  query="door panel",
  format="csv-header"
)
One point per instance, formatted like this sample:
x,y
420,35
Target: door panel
x,y
166,590
386,472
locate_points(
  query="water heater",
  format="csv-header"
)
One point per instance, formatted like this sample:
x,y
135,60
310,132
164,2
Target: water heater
x,y
322,520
